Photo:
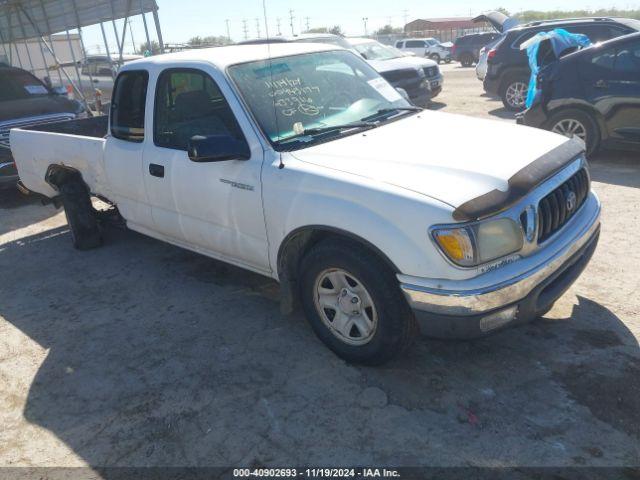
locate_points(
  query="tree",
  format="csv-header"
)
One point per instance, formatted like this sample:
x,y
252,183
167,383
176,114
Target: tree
x,y
337,30
144,48
388,30
211,41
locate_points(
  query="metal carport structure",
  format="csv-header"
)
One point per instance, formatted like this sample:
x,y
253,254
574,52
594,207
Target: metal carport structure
x,y
21,20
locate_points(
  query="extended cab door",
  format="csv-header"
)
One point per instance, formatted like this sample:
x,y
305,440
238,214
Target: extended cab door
x,y
419,47
215,207
125,146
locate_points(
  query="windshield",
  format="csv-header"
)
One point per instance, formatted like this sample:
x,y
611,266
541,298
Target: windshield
x,y
18,84
290,95
377,51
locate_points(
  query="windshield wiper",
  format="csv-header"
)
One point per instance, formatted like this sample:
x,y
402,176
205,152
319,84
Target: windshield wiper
x,y
330,128
382,111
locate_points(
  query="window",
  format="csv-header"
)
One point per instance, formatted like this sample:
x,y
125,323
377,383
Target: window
x,y
399,44
188,103
18,84
414,44
128,104
628,59
596,33
604,59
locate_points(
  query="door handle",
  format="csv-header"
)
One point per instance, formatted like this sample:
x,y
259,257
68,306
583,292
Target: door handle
x,y
156,170
601,84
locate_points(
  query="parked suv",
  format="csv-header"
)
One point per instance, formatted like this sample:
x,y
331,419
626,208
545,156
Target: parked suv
x,y
26,101
593,94
466,49
426,47
508,68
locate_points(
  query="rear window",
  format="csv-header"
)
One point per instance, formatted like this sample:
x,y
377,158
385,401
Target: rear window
x,y
128,105
18,85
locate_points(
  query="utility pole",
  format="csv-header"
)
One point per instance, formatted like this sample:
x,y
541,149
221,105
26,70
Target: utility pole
x,y
258,26
228,30
245,29
405,14
307,19
278,21
291,17
365,20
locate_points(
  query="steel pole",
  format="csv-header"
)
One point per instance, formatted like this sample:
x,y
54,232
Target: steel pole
x,y
106,45
156,20
46,23
146,27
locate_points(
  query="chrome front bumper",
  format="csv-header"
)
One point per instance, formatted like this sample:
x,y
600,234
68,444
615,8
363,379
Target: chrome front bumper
x,y
518,295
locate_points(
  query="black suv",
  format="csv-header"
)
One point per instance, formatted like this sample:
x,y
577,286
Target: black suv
x,y
593,94
26,101
466,49
508,67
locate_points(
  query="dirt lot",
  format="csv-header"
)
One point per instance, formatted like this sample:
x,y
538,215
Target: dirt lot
x,y
142,354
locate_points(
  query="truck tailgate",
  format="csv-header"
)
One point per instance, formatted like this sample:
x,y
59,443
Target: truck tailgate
x,y
36,148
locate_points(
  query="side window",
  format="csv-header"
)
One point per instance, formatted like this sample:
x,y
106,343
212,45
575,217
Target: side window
x,y
628,59
188,103
596,33
604,60
415,44
128,104
399,44
523,38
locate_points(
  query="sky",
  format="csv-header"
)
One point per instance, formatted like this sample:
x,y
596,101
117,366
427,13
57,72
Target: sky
x,y
183,19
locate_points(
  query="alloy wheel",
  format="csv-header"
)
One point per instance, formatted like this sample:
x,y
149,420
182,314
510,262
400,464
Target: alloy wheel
x,y
570,127
345,307
516,94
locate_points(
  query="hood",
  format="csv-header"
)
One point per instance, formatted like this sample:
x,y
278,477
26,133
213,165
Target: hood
x,y
401,63
36,106
498,20
423,154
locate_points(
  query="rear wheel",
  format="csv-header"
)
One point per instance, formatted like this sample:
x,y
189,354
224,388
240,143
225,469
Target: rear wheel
x,y
514,93
353,303
576,123
435,57
466,60
81,216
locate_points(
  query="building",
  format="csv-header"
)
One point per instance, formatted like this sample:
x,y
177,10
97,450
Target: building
x,y
444,29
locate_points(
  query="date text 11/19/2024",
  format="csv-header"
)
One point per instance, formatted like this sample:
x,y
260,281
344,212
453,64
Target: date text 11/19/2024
x,y
316,473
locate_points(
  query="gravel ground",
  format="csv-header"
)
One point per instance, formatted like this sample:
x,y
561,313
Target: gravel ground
x,y
143,354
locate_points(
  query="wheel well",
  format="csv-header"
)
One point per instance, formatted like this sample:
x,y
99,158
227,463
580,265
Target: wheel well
x,y
593,113
296,245
509,74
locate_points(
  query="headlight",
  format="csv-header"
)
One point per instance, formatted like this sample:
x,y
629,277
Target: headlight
x,y
481,242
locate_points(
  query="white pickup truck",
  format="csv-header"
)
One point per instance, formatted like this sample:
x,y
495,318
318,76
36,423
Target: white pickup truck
x,y
299,162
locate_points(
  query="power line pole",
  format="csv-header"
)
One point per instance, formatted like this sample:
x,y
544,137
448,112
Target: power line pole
x,y
291,17
365,20
258,26
245,29
228,30
278,21
405,14
307,19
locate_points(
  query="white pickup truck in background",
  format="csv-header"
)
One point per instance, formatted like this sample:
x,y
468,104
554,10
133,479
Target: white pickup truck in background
x,y
301,163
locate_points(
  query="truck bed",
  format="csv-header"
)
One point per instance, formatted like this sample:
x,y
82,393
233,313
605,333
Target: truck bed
x,y
76,143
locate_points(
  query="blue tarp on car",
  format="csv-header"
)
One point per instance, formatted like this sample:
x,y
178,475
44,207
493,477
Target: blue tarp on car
x,y
560,41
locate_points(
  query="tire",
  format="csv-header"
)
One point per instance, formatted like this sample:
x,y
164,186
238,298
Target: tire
x,y
514,93
466,60
435,57
81,217
390,326
572,121
447,60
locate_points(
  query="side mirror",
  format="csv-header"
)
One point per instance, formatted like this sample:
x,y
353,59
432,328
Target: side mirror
x,y
217,148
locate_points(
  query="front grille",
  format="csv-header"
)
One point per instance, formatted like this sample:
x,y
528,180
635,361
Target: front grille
x,y
30,122
557,208
431,71
401,75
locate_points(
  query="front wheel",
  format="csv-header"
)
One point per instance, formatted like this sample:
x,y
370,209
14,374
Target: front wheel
x,y
576,123
353,303
514,94
435,57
